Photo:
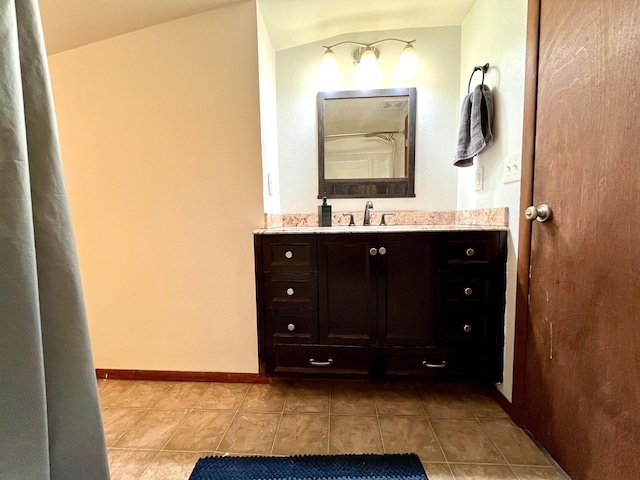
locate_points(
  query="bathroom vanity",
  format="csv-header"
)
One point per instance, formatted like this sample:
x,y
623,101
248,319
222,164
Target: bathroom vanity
x,y
381,301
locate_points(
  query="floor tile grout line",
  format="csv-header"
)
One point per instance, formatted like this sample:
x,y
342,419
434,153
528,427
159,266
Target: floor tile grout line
x,y
331,385
497,447
146,410
435,435
235,414
170,436
384,450
130,426
189,412
284,405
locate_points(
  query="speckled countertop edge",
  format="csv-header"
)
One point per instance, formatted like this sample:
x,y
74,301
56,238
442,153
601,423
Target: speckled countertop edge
x,y
484,219
380,229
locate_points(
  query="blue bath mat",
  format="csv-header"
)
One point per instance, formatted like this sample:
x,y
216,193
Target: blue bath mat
x,y
311,467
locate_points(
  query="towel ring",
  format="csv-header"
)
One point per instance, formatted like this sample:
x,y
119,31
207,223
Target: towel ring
x,y
484,69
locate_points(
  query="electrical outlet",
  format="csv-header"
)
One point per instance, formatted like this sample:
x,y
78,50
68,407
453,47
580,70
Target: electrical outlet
x,y
512,168
479,178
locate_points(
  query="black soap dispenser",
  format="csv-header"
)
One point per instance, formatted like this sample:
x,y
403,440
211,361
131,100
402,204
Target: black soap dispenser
x,y
324,213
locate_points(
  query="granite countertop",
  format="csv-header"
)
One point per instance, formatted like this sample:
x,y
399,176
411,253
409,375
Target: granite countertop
x,y
380,229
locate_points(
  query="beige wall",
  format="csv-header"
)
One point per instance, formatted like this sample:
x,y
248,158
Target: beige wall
x,y
494,31
299,80
160,135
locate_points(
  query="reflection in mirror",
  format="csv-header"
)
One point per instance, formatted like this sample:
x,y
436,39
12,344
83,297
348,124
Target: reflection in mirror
x,y
366,143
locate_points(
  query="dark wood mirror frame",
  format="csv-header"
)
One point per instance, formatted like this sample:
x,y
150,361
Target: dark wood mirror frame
x,y
368,187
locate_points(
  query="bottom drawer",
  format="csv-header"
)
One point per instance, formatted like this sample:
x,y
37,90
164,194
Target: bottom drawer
x,y
322,359
422,361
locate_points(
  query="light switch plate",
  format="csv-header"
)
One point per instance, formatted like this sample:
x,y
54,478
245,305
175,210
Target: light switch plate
x,y
512,165
269,184
479,178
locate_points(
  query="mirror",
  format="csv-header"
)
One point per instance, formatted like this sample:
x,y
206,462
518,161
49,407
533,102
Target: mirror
x,y
366,143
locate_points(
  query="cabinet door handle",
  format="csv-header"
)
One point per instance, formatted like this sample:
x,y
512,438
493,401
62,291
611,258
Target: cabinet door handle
x,y
466,327
291,327
442,364
290,291
382,250
373,251
470,252
317,363
468,291
288,254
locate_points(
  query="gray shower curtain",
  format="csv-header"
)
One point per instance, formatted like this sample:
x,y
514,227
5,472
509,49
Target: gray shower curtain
x,y
50,425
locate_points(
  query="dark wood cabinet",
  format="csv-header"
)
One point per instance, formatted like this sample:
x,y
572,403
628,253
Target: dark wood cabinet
x,y
347,289
411,303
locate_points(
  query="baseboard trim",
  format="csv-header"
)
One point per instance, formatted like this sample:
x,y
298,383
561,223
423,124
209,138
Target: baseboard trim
x,y
177,376
506,405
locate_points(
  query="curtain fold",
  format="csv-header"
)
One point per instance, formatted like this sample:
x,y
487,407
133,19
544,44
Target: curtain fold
x,y
50,423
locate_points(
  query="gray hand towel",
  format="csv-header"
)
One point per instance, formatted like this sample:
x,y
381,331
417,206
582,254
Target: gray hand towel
x,y
476,118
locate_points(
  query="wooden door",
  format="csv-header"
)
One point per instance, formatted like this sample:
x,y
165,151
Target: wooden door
x,y
407,288
347,289
582,370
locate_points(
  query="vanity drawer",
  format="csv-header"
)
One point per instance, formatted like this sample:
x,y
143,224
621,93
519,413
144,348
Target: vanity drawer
x,y
462,288
322,359
292,326
289,253
421,361
475,248
296,290
466,326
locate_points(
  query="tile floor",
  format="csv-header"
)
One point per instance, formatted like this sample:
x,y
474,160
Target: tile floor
x,y
158,430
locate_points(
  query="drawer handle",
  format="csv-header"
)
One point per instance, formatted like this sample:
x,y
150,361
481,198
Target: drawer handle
x,y
317,363
442,364
382,250
468,291
373,251
470,252
291,327
290,291
466,327
288,254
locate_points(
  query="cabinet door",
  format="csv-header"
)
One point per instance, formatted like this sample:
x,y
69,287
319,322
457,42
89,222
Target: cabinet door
x,y
347,293
407,289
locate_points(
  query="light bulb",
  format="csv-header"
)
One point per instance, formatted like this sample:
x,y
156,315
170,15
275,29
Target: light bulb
x,y
329,71
408,63
368,73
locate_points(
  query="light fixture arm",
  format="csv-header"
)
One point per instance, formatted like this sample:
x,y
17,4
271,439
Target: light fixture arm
x,y
367,45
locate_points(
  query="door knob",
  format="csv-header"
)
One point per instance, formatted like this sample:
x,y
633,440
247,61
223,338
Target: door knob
x,y
542,213
373,251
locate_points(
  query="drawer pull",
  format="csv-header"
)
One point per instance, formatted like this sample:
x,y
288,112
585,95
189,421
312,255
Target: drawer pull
x,y
442,364
317,363
288,254
373,251
470,252
290,291
382,250
468,291
466,327
291,327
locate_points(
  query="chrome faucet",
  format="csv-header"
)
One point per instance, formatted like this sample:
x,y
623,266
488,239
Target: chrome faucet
x,y
367,214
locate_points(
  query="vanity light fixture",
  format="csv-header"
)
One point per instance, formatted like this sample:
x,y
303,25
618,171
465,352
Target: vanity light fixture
x,y
366,56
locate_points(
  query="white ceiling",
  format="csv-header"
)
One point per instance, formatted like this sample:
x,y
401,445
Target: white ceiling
x,y
69,24
296,22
